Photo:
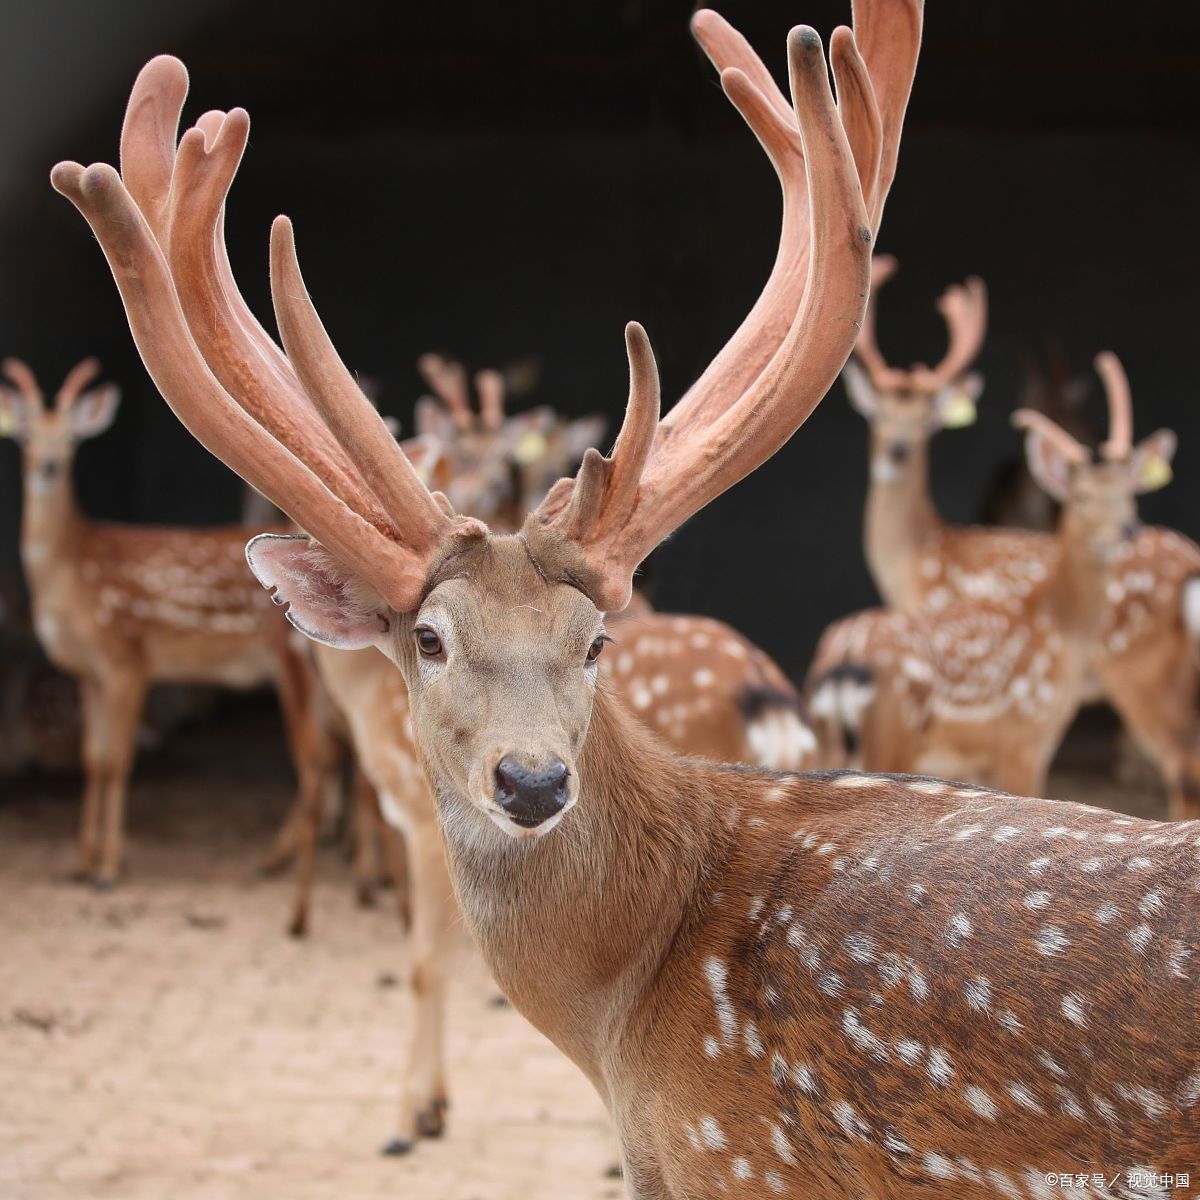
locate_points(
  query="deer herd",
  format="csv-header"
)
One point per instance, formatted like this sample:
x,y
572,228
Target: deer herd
x,y
786,976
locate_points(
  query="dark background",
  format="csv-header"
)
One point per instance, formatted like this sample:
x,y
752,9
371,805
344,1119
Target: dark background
x,y
499,180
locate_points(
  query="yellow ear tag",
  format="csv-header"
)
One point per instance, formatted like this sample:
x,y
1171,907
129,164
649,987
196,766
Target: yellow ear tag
x,y
1156,473
530,446
959,411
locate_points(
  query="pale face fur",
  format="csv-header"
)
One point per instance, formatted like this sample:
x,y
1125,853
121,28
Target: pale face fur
x,y
903,419
512,679
1100,513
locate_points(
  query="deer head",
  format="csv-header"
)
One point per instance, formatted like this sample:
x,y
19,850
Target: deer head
x,y
49,434
492,464
906,407
497,635
1099,496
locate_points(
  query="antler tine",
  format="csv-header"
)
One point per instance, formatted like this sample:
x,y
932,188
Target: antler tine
x,y
1028,418
491,388
209,412
866,347
676,477
355,423
79,376
964,309
238,350
148,137
888,34
449,383
894,27
1120,406
21,376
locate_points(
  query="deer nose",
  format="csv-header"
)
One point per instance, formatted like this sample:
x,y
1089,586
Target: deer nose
x,y
899,452
1131,529
531,795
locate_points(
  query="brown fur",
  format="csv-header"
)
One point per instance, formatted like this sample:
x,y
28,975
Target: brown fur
x,y
852,918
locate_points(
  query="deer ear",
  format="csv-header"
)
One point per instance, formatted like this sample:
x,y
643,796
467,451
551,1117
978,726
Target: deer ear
x,y
955,403
1150,463
583,434
93,412
324,600
1047,464
14,419
431,419
860,391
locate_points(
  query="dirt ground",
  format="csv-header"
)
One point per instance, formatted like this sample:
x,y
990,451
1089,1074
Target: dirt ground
x,y
167,1041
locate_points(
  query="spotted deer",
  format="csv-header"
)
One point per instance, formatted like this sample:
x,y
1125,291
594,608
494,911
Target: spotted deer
x,y
122,606
815,985
698,683
980,689
1145,653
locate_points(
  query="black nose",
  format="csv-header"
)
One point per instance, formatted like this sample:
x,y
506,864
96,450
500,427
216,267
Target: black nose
x,y
531,795
50,469
898,451
1131,529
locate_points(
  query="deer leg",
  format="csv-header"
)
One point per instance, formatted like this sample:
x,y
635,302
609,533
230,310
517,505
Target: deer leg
x,y
122,704
93,786
366,845
395,854
308,825
435,920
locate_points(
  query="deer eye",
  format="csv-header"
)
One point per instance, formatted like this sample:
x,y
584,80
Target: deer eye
x,y
428,642
595,648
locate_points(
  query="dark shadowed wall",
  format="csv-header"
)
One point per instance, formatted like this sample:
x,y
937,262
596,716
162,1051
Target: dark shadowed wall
x,y
504,180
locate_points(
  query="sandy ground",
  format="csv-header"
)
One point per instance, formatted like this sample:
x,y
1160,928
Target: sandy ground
x,y
167,1041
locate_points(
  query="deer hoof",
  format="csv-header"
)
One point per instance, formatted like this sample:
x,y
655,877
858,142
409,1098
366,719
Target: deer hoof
x,y
396,1147
104,883
299,926
431,1121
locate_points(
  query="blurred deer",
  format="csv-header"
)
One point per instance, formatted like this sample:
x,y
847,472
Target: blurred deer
x,y
121,606
1146,652
983,690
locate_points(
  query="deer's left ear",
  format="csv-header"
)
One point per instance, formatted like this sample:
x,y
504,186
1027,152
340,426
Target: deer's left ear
x,y
584,433
324,601
93,412
13,419
955,403
1150,463
859,390
1049,466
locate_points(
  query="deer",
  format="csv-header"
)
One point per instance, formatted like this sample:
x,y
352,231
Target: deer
x,y
1145,660
830,984
985,690
119,607
696,681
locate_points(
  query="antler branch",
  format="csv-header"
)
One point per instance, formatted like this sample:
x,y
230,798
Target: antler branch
x,y
1120,406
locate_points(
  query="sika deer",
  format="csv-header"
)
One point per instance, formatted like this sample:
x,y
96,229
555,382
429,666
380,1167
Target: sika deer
x,y
983,689
832,985
1146,660
123,606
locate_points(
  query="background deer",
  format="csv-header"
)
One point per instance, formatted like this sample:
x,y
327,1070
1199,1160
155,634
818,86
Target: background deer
x,y
778,984
1145,653
120,606
980,690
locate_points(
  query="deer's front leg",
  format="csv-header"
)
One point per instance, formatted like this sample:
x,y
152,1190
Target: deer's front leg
x,y
120,703
94,780
434,923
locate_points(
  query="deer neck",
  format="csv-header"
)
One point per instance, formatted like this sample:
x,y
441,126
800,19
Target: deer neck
x,y
1079,587
576,924
51,528
900,518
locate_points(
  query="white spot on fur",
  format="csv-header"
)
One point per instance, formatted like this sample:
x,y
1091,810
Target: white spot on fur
x,y
978,992
981,1102
711,1132
1074,1008
1140,936
1051,940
